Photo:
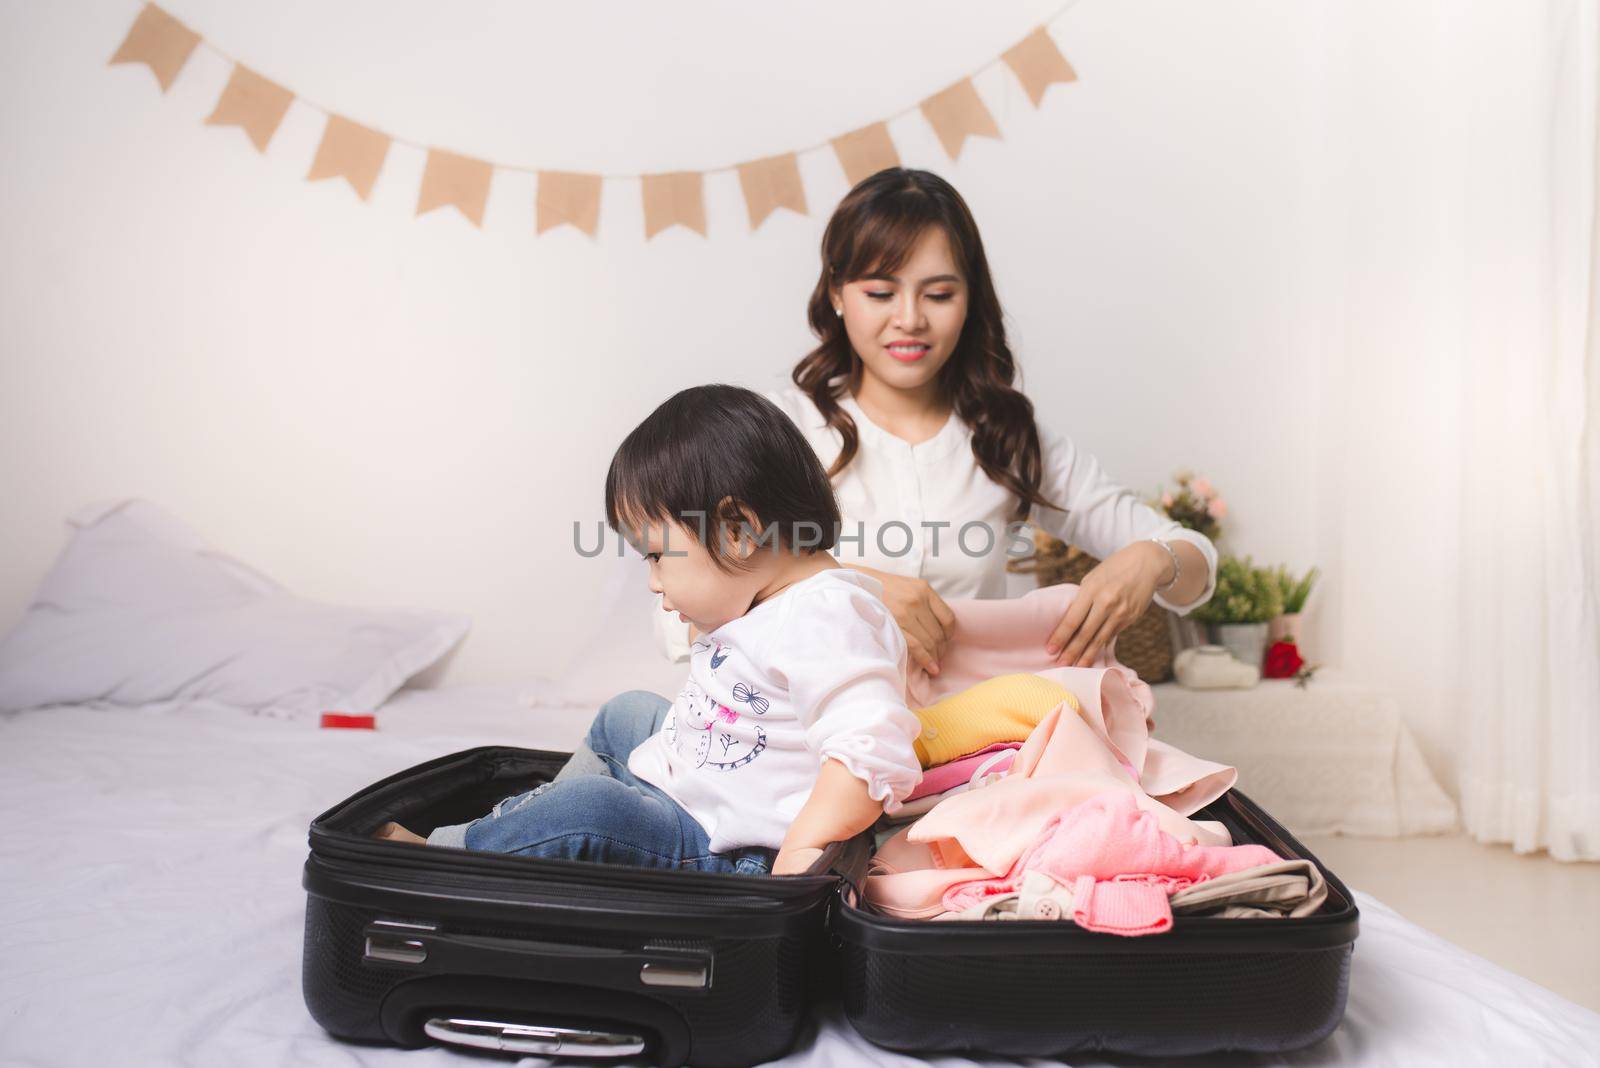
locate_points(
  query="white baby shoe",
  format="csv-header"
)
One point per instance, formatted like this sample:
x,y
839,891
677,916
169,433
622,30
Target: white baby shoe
x,y
1212,667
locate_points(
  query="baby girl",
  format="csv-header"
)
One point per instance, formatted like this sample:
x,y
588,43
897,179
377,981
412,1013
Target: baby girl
x,y
791,730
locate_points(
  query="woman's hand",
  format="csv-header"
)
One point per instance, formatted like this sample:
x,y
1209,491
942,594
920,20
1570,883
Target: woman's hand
x,y
1110,598
924,618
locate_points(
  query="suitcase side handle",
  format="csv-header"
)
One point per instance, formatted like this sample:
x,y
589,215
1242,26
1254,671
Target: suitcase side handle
x,y
430,951
516,1012
543,1039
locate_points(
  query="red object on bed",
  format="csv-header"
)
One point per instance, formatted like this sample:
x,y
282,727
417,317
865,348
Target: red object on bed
x,y
364,721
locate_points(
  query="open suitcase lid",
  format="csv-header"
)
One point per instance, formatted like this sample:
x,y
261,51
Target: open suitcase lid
x,y
344,855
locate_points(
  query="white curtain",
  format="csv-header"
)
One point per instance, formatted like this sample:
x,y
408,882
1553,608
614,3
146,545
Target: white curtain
x,y
1459,389
1530,405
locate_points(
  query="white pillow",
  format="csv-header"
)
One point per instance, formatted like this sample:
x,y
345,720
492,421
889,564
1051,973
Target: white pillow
x,y
140,610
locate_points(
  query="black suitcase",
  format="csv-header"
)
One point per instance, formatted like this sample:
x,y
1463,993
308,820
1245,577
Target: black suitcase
x,y
409,944
1049,988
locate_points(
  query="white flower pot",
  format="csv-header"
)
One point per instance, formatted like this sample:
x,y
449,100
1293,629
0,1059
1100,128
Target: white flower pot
x,y
1246,641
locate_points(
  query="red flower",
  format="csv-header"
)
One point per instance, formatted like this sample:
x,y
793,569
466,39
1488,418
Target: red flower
x,y
1283,661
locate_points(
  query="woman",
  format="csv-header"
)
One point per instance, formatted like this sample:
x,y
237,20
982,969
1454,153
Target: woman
x,y
935,456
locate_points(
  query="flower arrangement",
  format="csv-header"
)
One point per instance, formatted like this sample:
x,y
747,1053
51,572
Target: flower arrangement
x,y
1295,591
1284,662
1245,594
1196,504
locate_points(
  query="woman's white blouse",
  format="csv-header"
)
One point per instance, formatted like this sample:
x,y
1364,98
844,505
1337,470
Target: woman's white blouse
x,y
929,511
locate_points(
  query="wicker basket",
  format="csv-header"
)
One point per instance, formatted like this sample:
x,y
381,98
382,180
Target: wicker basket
x,y
1146,644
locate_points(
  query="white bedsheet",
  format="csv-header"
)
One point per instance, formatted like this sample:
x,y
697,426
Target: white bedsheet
x,y
151,910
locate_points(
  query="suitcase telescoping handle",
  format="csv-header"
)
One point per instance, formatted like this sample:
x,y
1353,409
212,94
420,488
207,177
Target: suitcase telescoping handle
x,y
423,947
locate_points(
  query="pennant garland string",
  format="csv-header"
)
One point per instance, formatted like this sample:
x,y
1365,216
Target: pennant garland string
x,y
357,153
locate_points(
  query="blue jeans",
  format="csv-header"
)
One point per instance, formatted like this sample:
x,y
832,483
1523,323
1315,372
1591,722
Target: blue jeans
x,y
597,810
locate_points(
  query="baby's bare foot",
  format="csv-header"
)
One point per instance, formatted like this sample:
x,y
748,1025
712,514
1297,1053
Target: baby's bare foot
x,y
396,833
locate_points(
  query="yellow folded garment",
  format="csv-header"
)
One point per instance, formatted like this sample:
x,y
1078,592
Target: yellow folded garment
x,y
1005,708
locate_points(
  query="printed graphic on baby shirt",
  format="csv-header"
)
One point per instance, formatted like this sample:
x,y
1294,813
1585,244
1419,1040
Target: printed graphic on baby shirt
x,y
705,737
753,698
740,756
719,652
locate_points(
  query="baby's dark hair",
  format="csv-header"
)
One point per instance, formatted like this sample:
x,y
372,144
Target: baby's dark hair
x,y
710,458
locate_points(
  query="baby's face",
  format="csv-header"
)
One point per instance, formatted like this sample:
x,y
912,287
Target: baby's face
x,y
690,582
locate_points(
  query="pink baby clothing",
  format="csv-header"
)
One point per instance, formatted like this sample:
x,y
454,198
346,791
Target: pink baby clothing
x,y
1120,908
1121,865
982,834
995,760
1071,756
998,637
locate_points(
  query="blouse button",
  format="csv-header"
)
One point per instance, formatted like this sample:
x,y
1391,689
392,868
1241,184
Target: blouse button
x,y
1046,909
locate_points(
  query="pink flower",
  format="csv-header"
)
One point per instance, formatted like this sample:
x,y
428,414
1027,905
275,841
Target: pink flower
x,y
1166,500
726,714
1202,486
1217,508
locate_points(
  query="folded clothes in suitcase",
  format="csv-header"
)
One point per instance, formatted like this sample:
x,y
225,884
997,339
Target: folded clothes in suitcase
x,y
410,944
1049,987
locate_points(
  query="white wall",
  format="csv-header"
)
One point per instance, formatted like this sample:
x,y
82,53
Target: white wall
x,y
380,409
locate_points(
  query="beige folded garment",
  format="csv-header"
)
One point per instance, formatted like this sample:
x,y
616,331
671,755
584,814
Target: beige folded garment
x,y
1290,888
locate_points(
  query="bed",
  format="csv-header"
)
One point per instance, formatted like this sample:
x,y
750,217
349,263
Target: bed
x,y
151,910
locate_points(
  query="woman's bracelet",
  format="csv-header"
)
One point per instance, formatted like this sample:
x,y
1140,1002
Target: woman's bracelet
x,y
1177,566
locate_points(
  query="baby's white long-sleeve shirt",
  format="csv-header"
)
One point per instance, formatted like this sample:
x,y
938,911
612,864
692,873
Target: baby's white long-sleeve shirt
x,y
816,673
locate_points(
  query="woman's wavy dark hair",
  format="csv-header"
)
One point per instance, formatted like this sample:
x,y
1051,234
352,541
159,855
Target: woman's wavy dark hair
x,y
873,231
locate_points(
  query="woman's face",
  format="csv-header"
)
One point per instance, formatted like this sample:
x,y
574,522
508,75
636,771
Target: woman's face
x,y
904,327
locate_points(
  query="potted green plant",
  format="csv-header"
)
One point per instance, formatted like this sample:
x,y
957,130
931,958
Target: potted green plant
x,y
1295,592
1246,600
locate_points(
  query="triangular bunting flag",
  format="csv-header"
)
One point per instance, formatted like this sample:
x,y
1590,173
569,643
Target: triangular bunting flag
x,y
251,102
864,152
352,152
957,114
160,42
770,184
573,199
1038,64
676,198
459,180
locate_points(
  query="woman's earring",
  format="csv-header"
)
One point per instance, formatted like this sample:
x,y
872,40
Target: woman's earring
x,y
839,312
